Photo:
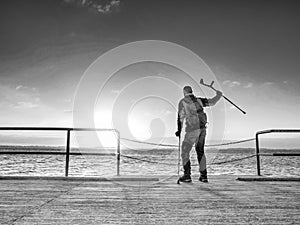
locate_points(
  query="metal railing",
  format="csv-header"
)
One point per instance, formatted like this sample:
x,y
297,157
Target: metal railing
x,y
258,154
67,153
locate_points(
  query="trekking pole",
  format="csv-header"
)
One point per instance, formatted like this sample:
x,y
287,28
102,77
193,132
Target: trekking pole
x,y
211,86
178,163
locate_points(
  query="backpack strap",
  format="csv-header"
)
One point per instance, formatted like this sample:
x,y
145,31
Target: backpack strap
x,y
197,104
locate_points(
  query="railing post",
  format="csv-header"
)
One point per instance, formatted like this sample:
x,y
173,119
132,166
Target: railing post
x,y
257,155
67,154
118,154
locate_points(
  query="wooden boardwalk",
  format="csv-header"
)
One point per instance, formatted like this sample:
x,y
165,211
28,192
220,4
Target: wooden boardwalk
x,y
223,200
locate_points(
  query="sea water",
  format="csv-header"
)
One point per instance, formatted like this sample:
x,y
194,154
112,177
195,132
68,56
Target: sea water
x,y
148,162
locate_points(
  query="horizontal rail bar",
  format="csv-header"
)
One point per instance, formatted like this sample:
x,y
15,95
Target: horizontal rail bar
x,y
265,154
53,153
258,154
279,131
36,128
58,129
286,154
279,154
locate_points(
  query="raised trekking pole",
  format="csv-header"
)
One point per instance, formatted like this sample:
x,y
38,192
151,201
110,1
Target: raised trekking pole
x,y
178,164
211,86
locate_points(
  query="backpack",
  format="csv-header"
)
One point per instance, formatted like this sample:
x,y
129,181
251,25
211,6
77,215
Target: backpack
x,y
196,117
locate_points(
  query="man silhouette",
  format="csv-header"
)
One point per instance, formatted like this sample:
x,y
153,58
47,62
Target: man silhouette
x,y
190,109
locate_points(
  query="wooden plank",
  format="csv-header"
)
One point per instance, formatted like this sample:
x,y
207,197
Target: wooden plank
x,y
223,200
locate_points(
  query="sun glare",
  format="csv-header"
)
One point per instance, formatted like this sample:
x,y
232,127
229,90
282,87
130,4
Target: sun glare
x,y
138,129
103,120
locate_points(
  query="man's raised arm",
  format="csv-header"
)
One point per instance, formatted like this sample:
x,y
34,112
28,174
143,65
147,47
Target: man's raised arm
x,y
214,100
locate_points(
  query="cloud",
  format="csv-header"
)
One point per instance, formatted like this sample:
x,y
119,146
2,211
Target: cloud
x,y
115,91
25,88
115,2
267,83
19,87
68,100
231,83
68,111
108,7
249,85
19,97
104,6
25,105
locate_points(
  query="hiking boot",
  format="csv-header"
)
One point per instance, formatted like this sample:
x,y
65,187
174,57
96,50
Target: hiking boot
x,y
185,178
203,176
203,179
187,173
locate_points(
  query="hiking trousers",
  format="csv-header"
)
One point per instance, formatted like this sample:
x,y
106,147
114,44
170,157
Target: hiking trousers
x,y
197,138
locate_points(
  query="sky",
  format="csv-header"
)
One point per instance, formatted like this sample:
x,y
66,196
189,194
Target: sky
x,y
252,48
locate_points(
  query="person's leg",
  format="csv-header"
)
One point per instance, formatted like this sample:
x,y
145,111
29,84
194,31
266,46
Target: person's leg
x,y
201,156
187,144
185,156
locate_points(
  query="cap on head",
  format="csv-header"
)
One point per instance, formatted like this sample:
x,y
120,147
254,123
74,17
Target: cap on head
x,y
188,89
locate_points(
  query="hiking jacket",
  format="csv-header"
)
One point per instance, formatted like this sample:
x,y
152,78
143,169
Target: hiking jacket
x,y
191,105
